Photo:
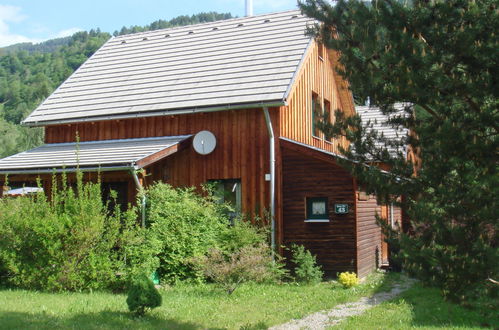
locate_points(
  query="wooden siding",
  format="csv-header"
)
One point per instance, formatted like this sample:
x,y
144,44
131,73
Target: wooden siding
x,y
317,75
304,176
242,148
368,235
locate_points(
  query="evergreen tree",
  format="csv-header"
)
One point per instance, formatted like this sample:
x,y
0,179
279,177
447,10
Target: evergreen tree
x,y
442,58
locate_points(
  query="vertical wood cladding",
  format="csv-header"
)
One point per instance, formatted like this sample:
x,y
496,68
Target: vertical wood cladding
x,y
332,242
317,76
368,236
242,148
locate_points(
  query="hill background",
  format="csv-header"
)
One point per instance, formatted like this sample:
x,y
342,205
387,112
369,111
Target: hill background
x,y
30,72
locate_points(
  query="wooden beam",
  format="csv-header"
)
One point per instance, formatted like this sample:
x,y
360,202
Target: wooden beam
x,y
306,151
163,153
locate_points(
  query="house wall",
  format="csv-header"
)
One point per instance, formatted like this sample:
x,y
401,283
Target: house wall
x,y
368,235
242,150
334,242
317,75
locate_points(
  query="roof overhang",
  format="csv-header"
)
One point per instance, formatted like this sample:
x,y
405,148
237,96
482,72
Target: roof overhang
x,y
239,106
94,156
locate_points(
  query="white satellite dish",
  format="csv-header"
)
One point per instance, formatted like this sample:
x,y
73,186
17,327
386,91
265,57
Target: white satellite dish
x,y
204,142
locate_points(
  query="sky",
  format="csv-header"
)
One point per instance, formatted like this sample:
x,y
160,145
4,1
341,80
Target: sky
x,y
39,20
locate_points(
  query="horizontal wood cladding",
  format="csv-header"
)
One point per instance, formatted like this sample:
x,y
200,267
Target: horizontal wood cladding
x,y
332,242
242,150
368,235
317,76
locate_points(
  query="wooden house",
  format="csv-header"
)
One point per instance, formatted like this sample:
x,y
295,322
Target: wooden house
x,y
259,85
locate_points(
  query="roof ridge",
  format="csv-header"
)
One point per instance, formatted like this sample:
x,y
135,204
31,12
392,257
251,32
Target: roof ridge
x,y
224,21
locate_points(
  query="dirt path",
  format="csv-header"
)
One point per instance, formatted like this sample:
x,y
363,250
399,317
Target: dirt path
x,y
327,318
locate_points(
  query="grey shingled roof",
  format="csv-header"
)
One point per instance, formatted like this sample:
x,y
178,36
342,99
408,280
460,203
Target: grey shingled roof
x,y
218,65
94,155
371,115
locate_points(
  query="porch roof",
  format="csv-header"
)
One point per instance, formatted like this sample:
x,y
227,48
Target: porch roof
x,y
107,155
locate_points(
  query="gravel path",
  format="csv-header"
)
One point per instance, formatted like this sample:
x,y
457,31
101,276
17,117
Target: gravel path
x,y
327,318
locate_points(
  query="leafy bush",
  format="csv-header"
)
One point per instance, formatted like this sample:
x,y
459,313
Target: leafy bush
x,y
348,279
142,296
186,224
305,269
241,234
249,264
70,242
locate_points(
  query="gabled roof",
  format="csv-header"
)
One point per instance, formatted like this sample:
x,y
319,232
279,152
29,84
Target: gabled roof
x,y
236,63
107,155
373,118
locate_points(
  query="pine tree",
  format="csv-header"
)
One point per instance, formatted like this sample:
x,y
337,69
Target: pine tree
x,y
442,58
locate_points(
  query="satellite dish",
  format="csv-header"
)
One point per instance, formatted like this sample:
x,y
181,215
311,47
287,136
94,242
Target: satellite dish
x,y
204,142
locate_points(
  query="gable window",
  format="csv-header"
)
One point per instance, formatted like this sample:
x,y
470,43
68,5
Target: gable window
x,y
329,115
320,47
317,210
316,115
229,191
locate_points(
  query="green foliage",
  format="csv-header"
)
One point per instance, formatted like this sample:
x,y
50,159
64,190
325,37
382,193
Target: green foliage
x,y
69,242
186,224
142,296
348,279
241,234
247,264
441,57
305,268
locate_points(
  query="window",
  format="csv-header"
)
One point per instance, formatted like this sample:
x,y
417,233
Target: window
x,y
120,190
317,210
316,115
329,115
229,191
320,47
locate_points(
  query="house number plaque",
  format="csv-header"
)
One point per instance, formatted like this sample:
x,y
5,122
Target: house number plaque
x,y
341,208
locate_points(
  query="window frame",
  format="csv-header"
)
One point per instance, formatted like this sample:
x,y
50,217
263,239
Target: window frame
x,y
308,209
316,102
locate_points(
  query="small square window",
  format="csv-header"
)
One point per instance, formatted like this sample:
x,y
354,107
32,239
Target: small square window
x,y
317,208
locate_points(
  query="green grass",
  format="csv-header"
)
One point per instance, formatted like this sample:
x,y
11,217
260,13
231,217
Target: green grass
x,y
420,308
184,307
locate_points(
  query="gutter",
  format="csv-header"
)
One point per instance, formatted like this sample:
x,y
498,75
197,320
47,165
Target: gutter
x,y
272,176
145,114
142,194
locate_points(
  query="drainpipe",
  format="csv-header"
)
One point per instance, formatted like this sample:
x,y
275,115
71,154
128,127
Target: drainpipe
x,y
272,176
140,188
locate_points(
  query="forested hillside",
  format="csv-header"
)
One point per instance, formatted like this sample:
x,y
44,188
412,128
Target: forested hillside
x,y
29,73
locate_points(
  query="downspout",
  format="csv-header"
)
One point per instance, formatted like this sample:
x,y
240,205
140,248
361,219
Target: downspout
x,y
140,188
272,176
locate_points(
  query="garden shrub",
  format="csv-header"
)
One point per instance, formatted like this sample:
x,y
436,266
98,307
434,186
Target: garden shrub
x,y
186,224
305,269
241,234
348,279
248,264
142,296
71,242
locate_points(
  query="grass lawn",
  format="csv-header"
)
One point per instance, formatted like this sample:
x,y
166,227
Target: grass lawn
x,y
184,307
421,308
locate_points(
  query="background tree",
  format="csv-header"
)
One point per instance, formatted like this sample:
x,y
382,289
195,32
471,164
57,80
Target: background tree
x,y
442,57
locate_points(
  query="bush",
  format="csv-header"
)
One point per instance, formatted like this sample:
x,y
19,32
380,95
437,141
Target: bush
x,y
186,224
241,234
348,279
305,269
142,296
249,264
68,243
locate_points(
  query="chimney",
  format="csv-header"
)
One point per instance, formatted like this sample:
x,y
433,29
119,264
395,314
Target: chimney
x,y
249,8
